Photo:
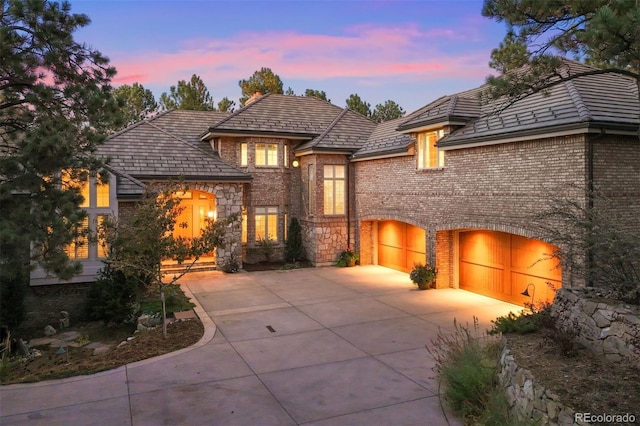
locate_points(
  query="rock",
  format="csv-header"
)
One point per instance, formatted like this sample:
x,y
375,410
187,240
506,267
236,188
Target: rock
x,y
64,319
22,348
49,331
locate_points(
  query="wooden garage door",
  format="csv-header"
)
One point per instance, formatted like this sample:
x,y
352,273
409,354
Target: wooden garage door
x,y
502,265
400,245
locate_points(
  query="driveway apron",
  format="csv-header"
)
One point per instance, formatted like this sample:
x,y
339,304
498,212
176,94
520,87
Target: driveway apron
x,y
316,346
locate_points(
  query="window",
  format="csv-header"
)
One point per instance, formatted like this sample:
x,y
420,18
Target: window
x,y
243,155
266,154
428,155
311,188
79,248
334,189
285,228
102,194
266,223
103,250
285,155
243,237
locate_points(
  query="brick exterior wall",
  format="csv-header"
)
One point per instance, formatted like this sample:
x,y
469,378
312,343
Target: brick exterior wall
x,y
496,187
44,303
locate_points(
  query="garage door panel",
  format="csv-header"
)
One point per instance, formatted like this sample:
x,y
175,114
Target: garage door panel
x,y
501,265
400,245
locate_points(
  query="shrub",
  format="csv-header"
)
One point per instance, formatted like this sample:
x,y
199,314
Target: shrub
x,y
266,246
467,367
112,298
294,249
527,321
423,275
347,257
12,288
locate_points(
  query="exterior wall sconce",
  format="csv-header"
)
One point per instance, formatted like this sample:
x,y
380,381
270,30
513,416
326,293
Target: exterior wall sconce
x,y
526,291
295,163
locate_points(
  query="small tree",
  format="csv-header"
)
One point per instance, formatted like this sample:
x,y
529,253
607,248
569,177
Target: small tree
x,y
294,250
595,244
138,246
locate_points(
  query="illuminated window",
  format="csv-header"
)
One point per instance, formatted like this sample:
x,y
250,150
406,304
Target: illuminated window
x,y
334,189
266,154
266,223
102,194
286,227
243,155
244,225
103,250
428,154
285,155
79,248
311,188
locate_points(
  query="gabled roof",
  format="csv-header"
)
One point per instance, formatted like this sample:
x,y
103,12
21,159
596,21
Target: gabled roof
x,y
589,103
279,115
385,140
454,109
188,125
349,131
146,150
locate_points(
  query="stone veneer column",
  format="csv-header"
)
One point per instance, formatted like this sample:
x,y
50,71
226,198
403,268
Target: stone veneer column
x,y
228,202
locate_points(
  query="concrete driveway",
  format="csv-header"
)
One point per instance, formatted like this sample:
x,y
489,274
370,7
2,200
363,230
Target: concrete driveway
x,y
319,346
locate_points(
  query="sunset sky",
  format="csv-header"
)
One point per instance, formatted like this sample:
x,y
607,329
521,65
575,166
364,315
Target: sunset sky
x,y
409,51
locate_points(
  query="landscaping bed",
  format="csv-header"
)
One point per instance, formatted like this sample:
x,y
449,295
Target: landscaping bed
x,y
79,357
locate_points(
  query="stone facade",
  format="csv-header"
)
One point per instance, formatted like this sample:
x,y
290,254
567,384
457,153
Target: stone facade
x,y
528,399
606,327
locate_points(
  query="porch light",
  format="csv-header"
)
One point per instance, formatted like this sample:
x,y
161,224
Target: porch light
x,y
526,291
295,163
211,214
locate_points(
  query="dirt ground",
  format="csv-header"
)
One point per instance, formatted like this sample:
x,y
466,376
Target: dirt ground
x,y
81,360
584,382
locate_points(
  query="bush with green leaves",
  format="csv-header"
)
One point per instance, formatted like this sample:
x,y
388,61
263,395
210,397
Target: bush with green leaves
x,y
113,297
266,247
294,249
527,321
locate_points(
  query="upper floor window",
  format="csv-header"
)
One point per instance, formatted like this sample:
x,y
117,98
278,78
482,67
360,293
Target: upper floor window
x,y
95,193
244,160
334,189
311,187
266,154
428,154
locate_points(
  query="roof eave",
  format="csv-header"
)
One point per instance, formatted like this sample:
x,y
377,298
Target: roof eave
x,y
546,132
321,150
381,155
210,178
260,133
430,125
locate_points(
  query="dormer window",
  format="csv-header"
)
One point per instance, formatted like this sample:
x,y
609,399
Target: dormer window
x,y
428,154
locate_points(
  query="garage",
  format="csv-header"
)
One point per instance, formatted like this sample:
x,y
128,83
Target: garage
x,y
400,245
502,266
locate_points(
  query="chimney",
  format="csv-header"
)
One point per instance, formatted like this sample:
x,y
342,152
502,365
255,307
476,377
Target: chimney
x,y
253,98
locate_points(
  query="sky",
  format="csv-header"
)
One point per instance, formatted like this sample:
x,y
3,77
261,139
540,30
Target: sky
x,y
411,52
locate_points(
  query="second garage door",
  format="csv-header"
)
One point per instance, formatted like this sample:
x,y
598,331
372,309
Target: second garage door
x,y
400,245
501,265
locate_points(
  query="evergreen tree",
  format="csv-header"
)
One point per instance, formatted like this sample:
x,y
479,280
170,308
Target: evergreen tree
x,y
263,81
56,107
320,94
138,102
226,105
294,249
354,103
387,111
191,95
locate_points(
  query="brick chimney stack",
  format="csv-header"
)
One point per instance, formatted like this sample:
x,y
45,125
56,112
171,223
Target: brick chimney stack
x,y
253,98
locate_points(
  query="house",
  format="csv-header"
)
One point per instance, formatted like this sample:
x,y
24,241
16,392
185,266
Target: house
x,y
450,184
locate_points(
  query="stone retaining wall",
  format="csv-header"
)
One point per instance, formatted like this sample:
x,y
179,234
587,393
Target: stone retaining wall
x,y
527,399
606,327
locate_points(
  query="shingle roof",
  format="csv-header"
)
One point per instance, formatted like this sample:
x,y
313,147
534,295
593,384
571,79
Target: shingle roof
x,y
460,107
384,140
274,114
595,101
147,150
188,125
349,131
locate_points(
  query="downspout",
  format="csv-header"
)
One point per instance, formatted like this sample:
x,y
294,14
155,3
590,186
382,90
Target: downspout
x,y
590,202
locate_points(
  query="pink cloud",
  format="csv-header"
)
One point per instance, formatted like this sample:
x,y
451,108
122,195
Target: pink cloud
x,y
364,51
